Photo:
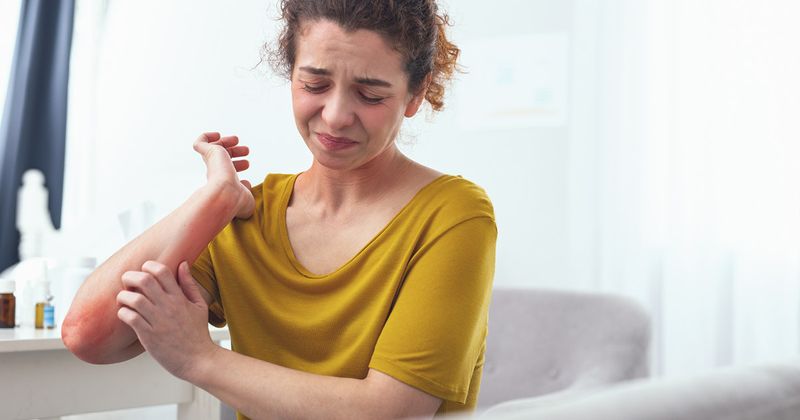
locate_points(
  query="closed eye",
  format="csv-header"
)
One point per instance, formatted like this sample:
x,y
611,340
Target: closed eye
x,y
370,99
314,89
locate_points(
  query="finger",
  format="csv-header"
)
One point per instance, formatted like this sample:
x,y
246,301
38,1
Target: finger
x,y
227,141
247,184
188,284
202,142
138,302
145,284
238,151
241,165
210,136
133,319
163,275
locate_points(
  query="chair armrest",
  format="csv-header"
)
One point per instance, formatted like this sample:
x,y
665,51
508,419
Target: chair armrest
x,y
733,393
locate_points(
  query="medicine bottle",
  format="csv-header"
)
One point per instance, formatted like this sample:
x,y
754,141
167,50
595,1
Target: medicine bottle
x,y
49,314
7,303
44,309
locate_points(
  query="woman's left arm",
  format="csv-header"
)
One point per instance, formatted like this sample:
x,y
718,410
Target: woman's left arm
x,y
264,390
175,333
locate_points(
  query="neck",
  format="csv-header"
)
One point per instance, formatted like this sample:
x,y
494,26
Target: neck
x,y
334,191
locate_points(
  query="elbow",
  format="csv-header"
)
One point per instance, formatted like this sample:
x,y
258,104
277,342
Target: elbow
x,y
79,341
74,340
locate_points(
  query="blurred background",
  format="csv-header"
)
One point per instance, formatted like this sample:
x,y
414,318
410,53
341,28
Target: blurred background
x,y
643,148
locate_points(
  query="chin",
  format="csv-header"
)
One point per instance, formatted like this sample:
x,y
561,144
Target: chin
x,y
336,160
335,163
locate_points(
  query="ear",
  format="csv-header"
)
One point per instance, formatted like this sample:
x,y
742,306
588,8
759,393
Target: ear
x,y
416,100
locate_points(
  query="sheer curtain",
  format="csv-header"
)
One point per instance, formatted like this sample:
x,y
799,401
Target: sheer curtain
x,y
684,173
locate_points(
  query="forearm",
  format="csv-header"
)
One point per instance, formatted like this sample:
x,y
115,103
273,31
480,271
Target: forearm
x,y
263,390
91,328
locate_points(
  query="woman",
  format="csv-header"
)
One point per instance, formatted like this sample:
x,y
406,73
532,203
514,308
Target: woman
x,y
357,288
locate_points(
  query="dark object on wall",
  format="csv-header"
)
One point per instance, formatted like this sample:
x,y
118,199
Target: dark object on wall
x,y
33,130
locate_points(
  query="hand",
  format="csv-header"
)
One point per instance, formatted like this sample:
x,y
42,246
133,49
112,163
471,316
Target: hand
x,y
221,170
169,317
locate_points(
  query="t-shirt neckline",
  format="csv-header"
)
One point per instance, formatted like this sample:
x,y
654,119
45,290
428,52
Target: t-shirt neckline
x,y
287,245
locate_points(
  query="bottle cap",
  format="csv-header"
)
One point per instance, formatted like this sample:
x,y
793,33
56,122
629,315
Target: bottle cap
x,y
7,286
41,291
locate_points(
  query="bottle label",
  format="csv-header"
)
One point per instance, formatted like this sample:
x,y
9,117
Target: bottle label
x,y
49,316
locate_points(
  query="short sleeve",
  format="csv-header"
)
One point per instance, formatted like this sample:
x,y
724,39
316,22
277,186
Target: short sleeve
x,y
203,272
433,336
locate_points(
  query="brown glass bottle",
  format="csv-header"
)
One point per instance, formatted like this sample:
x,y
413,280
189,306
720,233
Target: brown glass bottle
x,y
39,320
7,304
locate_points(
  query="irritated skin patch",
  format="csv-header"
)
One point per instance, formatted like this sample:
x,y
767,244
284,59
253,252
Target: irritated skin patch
x,y
93,325
92,329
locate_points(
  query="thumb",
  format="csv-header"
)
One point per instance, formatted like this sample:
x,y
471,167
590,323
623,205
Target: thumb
x,y
188,285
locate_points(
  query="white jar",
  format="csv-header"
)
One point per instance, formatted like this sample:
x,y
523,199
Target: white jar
x,y
72,272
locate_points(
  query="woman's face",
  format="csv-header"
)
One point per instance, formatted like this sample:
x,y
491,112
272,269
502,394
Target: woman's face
x,y
349,94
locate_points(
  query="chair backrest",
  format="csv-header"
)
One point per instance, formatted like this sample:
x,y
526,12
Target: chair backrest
x,y
543,341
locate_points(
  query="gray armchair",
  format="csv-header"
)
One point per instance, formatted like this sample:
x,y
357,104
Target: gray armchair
x,y
572,356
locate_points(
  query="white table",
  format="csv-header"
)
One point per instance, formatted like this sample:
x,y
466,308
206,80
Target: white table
x,y
42,379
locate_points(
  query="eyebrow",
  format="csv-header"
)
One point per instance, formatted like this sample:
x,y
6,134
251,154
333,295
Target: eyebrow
x,y
369,81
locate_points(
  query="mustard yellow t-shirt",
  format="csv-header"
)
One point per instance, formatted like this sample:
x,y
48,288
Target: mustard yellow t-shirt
x,y
412,303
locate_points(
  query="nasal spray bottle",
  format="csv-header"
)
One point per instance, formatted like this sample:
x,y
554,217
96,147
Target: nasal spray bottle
x,y
45,314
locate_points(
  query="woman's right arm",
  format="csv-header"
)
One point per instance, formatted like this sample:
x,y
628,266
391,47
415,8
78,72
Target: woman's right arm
x,y
91,329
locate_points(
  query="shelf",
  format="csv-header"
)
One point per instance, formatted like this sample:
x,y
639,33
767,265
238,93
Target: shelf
x,y
32,339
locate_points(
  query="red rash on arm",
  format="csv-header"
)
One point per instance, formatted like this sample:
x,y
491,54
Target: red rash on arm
x,y
95,314
91,329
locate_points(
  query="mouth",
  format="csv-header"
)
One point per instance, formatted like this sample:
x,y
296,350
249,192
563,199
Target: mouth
x,y
335,143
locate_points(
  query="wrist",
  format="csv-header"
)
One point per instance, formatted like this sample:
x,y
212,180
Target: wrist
x,y
202,368
222,198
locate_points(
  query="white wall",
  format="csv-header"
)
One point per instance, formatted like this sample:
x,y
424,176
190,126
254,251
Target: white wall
x,y
168,71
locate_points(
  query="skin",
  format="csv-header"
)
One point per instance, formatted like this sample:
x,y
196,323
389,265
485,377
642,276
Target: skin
x,y
91,329
348,195
354,190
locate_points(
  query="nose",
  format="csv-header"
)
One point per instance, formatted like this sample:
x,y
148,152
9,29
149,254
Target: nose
x,y
338,111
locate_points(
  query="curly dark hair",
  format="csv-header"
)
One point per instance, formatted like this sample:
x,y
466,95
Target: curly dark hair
x,y
414,28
